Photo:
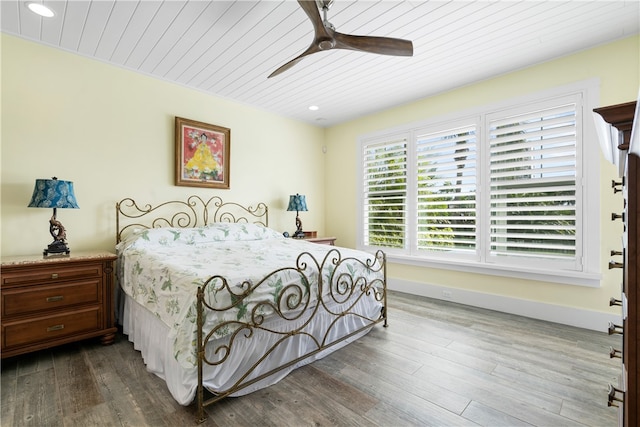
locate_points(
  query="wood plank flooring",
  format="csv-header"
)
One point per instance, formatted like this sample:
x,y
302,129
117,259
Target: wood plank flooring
x,y
437,364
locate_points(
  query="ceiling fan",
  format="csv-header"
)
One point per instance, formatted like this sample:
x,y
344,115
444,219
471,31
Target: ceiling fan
x,y
327,38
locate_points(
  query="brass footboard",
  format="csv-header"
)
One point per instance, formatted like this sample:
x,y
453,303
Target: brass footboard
x,y
331,288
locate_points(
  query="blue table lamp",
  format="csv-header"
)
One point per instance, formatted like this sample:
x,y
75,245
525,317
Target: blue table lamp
x,y
297,203
54,193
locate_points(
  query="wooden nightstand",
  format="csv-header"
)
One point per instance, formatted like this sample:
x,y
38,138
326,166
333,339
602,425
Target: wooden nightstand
x,y
56,300
323,240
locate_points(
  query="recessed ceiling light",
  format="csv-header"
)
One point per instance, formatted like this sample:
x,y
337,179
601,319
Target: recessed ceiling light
x,y
314,108
40,9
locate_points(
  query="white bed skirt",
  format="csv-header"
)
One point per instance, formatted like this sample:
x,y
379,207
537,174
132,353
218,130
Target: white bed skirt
x,y
154,340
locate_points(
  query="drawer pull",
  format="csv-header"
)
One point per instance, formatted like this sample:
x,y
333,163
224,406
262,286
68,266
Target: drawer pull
x,y
54,275
614,353
615,329
615,184
55,328
615,216
614,301
55,299
613,264
612,396
614,253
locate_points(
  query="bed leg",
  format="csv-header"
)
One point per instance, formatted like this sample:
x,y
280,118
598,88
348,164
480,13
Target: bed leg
x,y
200,416
383,256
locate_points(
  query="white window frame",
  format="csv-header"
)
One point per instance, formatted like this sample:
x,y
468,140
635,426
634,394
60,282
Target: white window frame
x,y
585,271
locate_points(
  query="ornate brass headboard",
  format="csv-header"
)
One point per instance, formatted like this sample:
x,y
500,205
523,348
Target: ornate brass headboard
x,y
194,212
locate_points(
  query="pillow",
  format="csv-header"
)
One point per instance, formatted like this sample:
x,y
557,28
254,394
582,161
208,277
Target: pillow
x,y
240,231
217,232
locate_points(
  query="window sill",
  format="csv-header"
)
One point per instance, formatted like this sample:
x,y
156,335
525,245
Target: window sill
x,y
559,276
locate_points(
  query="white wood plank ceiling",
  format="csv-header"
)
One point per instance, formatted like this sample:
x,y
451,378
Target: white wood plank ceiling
x,y
228,48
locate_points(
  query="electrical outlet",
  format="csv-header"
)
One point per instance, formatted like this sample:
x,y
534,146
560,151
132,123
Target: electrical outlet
x,y
446,294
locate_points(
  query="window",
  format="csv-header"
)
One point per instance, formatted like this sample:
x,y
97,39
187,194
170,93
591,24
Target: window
x,y
500,191
385,164
533,175
446,189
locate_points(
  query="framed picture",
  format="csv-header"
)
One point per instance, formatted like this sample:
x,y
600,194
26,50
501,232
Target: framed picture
x,y
202,154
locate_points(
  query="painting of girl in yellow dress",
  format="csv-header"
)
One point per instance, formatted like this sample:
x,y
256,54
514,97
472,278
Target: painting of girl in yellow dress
x,y
204,154
205,162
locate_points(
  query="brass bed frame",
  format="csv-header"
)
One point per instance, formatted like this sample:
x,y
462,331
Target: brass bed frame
x,y
336,297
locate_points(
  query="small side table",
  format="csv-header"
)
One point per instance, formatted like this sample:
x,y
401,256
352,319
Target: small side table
x,y
322,240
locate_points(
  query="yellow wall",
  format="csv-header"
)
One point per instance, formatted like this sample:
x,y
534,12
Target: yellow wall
x,y
111,132
617,67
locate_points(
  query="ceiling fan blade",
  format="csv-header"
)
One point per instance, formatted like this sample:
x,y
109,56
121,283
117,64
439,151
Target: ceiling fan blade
x,y
311,49
321,36
311,9
372,44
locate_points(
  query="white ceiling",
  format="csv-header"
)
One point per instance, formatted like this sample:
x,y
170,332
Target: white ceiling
x,y
228,48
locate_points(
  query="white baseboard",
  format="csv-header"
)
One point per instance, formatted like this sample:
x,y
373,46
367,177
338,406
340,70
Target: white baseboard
x,y
587,319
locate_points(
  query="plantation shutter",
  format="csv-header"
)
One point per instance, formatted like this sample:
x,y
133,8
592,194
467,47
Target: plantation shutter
x,y
533,183
385,193
446,189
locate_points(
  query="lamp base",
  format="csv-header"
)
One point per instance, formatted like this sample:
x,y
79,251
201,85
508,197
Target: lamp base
x,y
298,234
57,247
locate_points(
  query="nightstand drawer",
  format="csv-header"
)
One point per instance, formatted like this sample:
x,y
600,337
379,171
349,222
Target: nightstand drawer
x,y
16,301
51,274
30,331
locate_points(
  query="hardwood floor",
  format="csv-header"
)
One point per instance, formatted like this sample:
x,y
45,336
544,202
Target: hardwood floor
x,y
437,364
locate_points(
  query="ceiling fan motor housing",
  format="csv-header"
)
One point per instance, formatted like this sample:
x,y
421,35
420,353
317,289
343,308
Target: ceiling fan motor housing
x,y
326,44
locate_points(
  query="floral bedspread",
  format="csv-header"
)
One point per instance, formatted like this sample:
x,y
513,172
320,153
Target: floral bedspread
x,y
162,268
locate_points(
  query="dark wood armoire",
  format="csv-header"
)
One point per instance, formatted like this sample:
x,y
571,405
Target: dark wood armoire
x,y
625,394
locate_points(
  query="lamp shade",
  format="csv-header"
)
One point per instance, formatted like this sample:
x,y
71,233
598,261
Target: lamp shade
x,y
53,193
297,203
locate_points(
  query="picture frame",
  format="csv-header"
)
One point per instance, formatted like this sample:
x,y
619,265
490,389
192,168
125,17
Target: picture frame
x,y
203,154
